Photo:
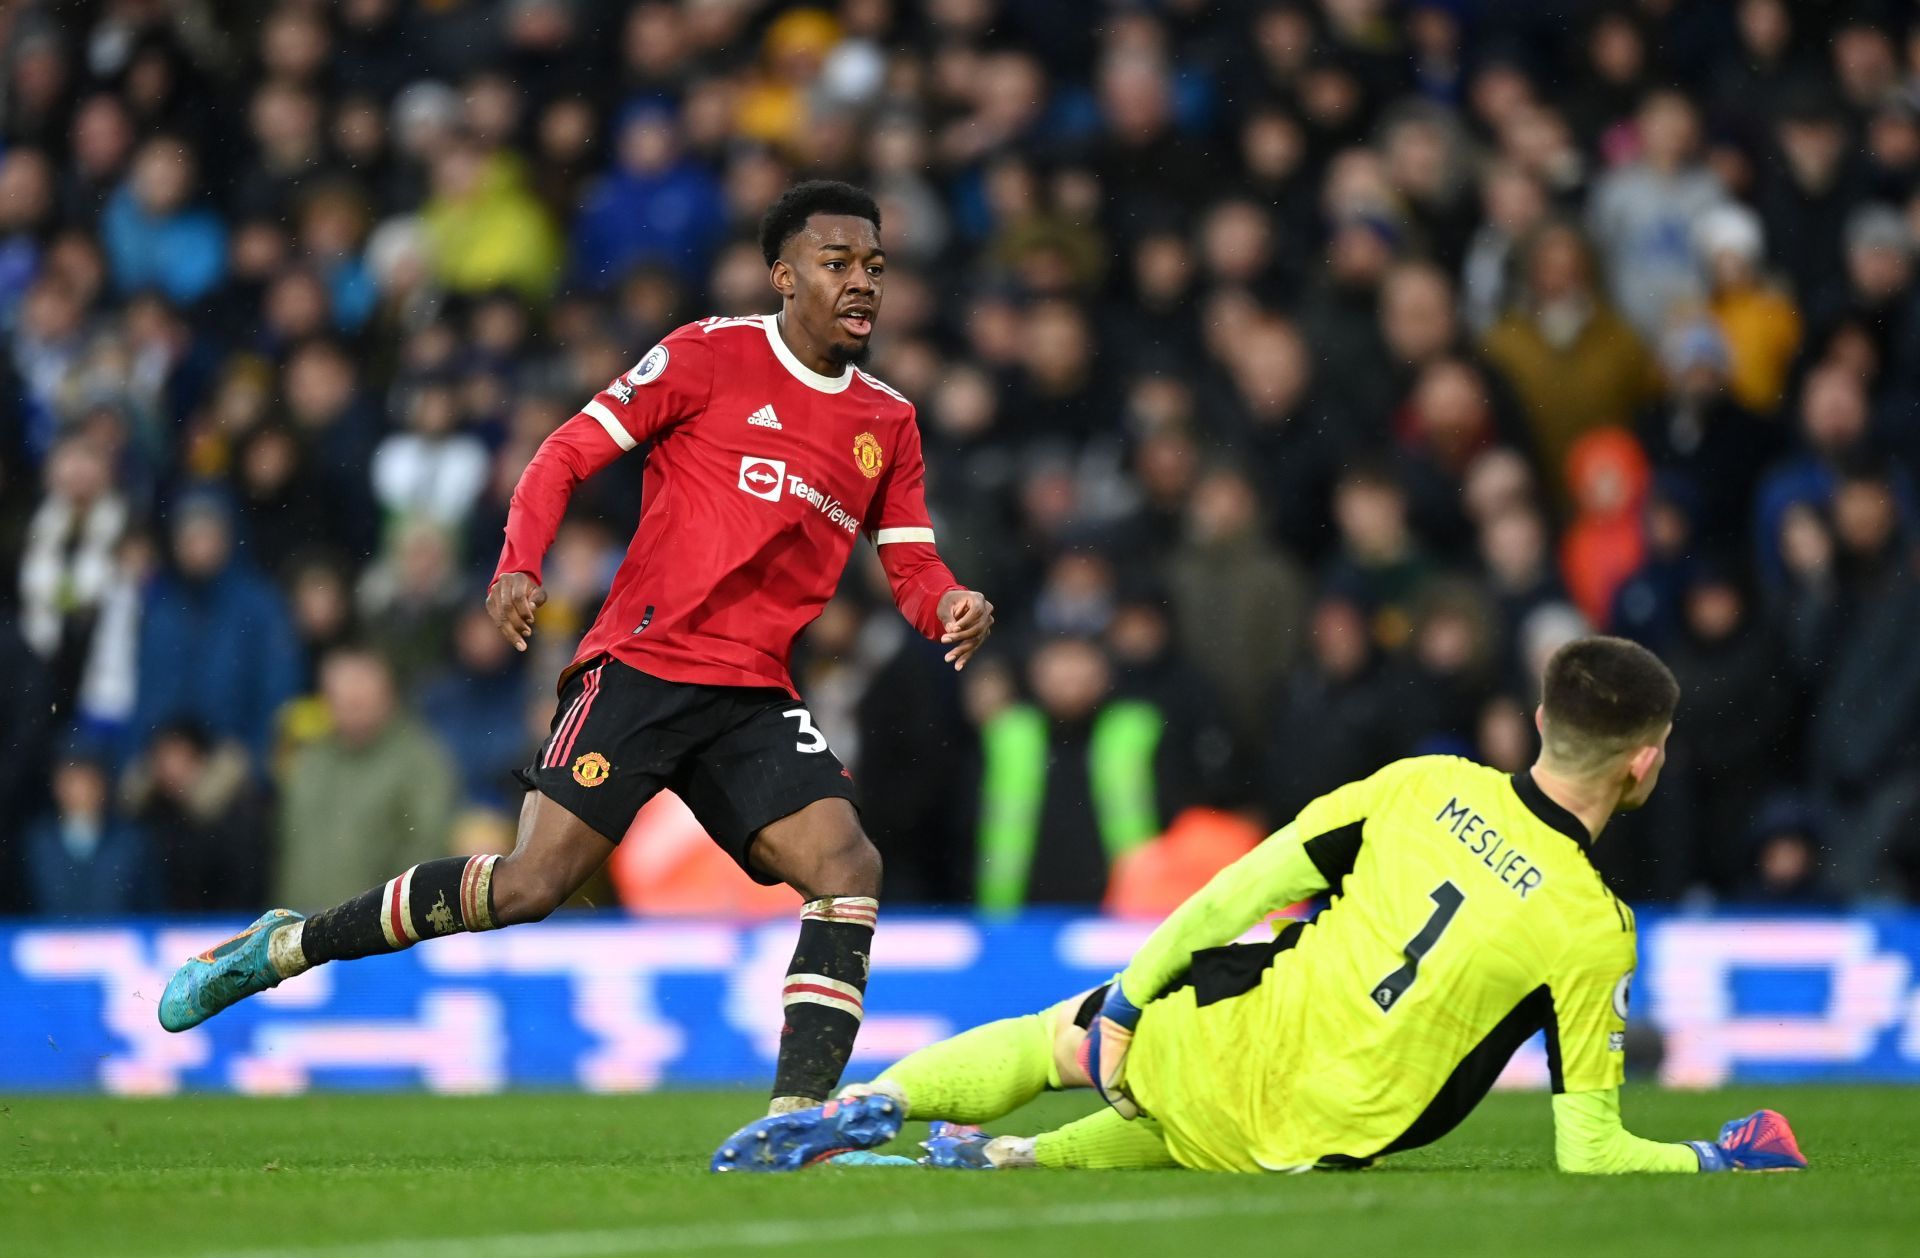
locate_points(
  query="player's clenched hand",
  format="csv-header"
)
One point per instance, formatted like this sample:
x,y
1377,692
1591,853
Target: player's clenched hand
x,y
512,602
1105,1050
966,618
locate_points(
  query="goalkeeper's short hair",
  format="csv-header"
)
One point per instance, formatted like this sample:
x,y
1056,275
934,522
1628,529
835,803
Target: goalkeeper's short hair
x,y
1604,696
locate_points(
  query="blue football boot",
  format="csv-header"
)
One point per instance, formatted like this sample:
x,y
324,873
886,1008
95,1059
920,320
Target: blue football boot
x,y
860,1157
224,974
795,1141
956,1147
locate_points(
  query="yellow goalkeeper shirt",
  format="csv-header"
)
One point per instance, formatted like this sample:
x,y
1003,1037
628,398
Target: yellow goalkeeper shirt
x,y
1465,916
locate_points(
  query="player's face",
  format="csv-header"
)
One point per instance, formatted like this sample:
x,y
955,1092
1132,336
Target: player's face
x,y
837,267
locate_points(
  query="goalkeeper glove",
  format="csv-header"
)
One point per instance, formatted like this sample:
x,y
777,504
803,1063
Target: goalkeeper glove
x,y
1762,1141
1104,1051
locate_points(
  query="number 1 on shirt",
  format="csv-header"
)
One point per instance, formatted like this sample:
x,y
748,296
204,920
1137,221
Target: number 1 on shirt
x,y
1447,900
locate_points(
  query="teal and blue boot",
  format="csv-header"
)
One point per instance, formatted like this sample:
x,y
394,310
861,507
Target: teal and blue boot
x,y
224,974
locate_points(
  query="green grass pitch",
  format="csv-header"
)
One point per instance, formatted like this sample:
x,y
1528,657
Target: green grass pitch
x,y
569,1176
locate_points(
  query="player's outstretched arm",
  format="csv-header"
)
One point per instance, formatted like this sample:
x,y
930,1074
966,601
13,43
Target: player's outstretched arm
x,y
1305,857
1589,1139
668,386
571,453
1284,870
1309,855
924,588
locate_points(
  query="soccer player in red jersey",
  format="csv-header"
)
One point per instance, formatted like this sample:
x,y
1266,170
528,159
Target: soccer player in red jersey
x,y
768,452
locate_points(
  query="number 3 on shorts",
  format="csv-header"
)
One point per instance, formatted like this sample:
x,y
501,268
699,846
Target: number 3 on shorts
x,y
811,739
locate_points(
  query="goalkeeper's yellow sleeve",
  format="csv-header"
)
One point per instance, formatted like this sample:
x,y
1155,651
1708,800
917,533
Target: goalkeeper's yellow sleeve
x,y
1588,1139
1307,856
1277,873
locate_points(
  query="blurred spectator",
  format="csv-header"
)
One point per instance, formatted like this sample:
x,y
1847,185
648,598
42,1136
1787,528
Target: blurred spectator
x,y
1518,563
83,858
1199,746
27,718
101,142
1060,393
333,233
909,716
1069,783
1646,606
1878,297
1755,75
1783,856
1643,213
1853,606
1514,205
1330,722
486,229
410,598
1157,877
26,205
203,810
374,794
1239,604
110,684
1736,740
1292,440
320,602
155,236
1445,424
1379,563
1806,194
1759,323
1701,434
215,644
280,506
1436,688
655,206
47,347
1573,362
67,563
433,471
1607,479
325,404
1833,432
473,706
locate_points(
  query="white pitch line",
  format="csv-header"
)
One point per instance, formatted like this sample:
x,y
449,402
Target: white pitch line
x,y
772,1233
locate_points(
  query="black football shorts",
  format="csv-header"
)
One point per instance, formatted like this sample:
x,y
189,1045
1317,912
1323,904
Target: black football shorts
x,y
740,757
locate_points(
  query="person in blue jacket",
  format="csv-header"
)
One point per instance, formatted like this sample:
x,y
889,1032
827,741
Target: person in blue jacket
x,y
155,235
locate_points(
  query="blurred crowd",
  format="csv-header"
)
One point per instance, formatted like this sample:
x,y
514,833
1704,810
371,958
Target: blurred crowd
x,y
1295,377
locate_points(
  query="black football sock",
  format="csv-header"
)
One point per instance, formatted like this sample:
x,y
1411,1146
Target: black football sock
x,y
824,998
433,898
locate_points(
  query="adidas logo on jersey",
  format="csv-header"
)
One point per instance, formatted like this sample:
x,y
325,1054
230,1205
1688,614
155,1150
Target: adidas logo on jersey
x,y
764,418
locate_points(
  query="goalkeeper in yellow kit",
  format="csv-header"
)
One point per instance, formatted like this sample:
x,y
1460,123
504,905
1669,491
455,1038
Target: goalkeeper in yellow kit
x,y
1465,916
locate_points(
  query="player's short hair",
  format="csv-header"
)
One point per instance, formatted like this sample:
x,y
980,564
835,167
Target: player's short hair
x,y
788,216
1604,696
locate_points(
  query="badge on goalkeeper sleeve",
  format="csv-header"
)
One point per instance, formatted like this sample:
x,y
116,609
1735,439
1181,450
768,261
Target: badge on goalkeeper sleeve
x,y
1762,1141
1104,1051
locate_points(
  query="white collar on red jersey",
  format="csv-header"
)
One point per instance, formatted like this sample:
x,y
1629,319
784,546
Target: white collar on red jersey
x,y
799,370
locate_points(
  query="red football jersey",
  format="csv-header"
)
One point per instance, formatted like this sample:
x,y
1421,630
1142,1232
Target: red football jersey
x,y
760,476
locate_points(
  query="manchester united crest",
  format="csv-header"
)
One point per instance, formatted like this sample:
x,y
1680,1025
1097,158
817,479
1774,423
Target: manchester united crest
x,y
591,769
867,453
